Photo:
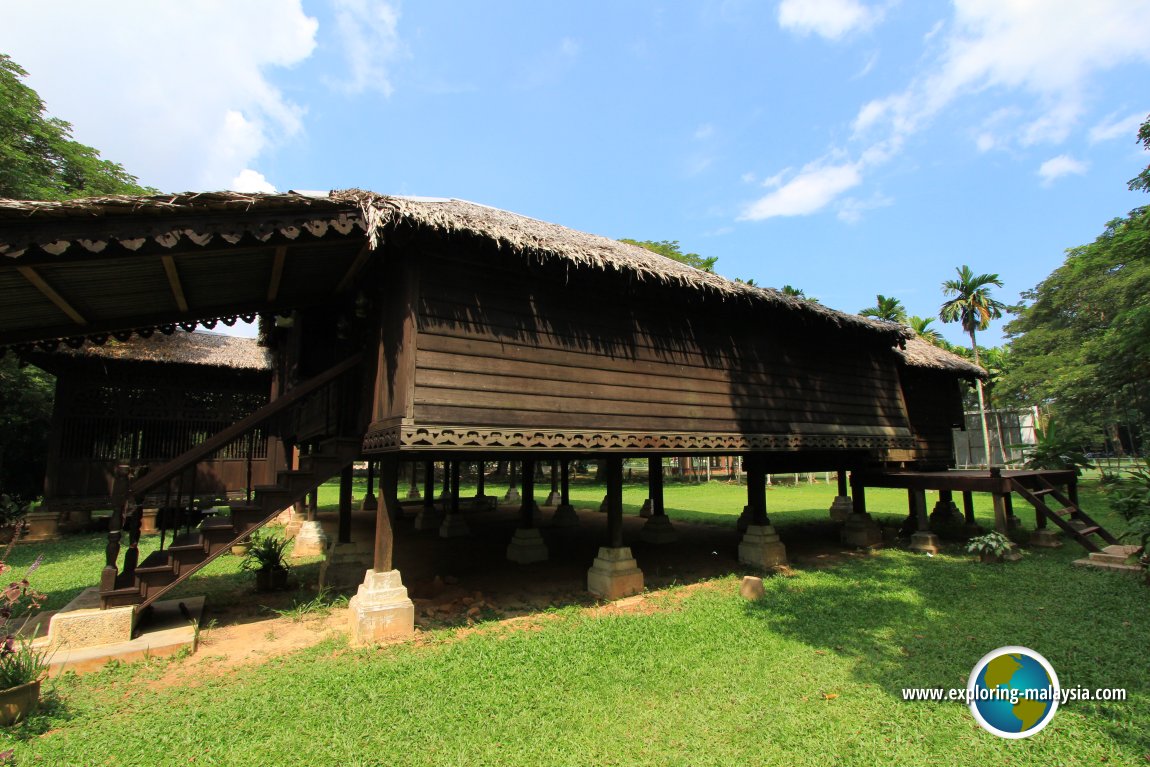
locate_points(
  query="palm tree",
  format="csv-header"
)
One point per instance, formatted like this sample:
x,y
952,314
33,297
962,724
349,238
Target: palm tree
x,y
972,305
889,309
921,326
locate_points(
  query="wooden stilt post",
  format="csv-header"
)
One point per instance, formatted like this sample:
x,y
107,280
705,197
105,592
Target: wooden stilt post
x,y
553,497
388,493
614,573
454,525
345,480
922,540
614,471
527,544
413,486
658,528
565,515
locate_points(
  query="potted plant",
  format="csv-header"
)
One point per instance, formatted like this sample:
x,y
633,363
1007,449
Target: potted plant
x,y
991,547
265,556
23,664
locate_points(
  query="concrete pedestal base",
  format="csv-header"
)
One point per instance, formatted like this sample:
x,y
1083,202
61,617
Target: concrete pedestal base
x,y
1045,538
1014,523
553,499
614,574
862,531
484,503
646,511
147,520
841,508
744,520
381,611
761,548
370,503
83,624
603,506
41,526
413,493
343,564
310,541
527,546
79,520
512,495
428,519
564,516
454,526
659,530
924,543
946,515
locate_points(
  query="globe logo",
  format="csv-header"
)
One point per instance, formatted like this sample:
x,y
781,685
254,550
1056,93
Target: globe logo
x,y
1013,692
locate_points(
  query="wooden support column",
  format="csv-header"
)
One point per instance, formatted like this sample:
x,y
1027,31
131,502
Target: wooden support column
x,y
614,573
922,540
512,495
381,609
614,471
480,482
370,502
841,506
430,516
858,527
527,544
553,498
445,496
658,528
760,547
565,515
413,487
454,525
968,508
345,480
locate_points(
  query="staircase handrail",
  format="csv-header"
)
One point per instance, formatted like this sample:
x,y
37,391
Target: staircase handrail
x,y
176,465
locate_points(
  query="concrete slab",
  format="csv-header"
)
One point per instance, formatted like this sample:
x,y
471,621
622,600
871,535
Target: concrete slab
x,y
170,627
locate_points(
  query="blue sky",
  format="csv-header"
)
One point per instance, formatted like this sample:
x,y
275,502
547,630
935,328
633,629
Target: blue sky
x,y
846,147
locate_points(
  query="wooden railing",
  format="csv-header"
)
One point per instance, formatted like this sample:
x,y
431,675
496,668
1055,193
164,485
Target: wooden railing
x,y
327,404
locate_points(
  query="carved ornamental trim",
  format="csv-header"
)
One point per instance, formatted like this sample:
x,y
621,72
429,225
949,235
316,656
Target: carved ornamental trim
x,y
463,438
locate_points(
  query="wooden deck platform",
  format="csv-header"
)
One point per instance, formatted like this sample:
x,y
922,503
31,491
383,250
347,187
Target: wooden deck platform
x,y
965,480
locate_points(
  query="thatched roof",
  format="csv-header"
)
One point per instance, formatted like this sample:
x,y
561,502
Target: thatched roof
x,y
91,223
922,354
207,349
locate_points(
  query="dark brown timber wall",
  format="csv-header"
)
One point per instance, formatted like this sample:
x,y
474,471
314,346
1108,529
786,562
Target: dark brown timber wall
x,y
934,405
514,358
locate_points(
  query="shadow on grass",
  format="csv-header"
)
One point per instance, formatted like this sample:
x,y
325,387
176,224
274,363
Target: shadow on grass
x,y
915,621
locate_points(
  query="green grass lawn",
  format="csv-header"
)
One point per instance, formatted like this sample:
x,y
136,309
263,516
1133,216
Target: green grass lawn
x,y
810,675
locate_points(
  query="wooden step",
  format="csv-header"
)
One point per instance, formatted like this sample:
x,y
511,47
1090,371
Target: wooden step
x,y
1089,530
1115,554
1066,512
157,561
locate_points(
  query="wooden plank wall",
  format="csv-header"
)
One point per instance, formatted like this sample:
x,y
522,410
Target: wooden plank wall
x,y
504,349
934,405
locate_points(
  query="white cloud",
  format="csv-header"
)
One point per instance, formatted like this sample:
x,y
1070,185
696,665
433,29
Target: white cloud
x,y
1062,165
1043,55
831,19
251,181
851,209
704,131
369,38
1117,128
815,187
177,92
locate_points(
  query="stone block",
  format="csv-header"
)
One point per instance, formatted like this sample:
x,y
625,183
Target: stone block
x,y
646,511
659,529
614,574
527,546
841,508
370,503
41,526
454,526
343,564
1045,538
924,543
761,548
381,610
83,624
429,518
862,531
553,499
751,588
310,541
565,516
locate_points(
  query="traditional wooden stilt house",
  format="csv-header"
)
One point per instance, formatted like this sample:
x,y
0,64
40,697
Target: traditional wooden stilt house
x,y
441,330
144,401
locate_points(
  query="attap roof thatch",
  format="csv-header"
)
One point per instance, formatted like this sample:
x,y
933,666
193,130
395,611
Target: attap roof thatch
x,y
90,224
921,354
207,349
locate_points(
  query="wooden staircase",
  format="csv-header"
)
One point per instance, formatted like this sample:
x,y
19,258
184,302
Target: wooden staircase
x,y
331,395
1068,516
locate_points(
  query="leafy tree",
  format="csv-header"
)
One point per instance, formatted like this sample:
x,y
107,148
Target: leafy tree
x,y
670,249
972,305
25,416
750,282
889,309
922,327
791,290
39,160
1142,180
1081,342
